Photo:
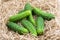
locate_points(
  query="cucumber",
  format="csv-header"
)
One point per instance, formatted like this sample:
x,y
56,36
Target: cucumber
x,y
30,18
29,26
45,15
17,28
28,6
40,25
20,16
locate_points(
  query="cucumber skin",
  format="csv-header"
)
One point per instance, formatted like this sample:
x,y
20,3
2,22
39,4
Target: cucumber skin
x,y
45,15
30,27
40,25
17,28
30,18
20,16
28,6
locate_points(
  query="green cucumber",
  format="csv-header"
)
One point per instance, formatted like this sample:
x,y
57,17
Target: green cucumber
x,y
20,16
29,26
28,6
30,18
40,25
17,28
43,14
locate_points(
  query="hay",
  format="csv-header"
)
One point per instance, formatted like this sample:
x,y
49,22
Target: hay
x,y
11,7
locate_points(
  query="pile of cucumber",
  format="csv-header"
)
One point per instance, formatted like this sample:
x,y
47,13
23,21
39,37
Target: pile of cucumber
x,y
32,26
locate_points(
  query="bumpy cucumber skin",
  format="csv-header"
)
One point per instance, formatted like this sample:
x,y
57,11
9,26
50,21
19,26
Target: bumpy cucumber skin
x,y
17,28
30,18
20,16
45,15
40,25
30,27
28,6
